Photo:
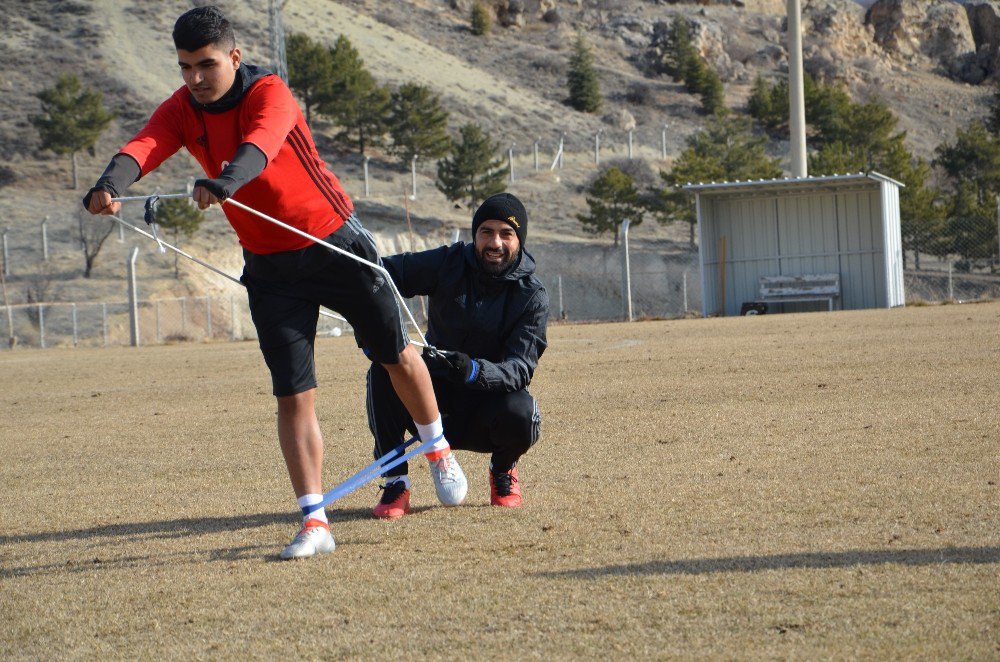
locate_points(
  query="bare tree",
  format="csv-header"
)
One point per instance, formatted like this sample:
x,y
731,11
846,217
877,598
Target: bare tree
x,y
37,288
94,231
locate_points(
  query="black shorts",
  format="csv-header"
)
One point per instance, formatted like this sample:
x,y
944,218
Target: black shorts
x,y
287,289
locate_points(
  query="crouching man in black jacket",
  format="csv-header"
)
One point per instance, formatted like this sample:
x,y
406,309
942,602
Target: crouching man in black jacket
x,y
487,317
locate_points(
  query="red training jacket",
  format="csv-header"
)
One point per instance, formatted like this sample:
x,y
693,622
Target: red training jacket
x,y
295,187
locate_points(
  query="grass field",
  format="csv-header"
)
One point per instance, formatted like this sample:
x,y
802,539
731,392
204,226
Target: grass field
x,y
792,486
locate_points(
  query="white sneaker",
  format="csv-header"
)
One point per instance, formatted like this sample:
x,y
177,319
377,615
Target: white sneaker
x,y
449,479
314,538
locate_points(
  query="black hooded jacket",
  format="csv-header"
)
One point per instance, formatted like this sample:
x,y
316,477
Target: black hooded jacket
x,y
499,321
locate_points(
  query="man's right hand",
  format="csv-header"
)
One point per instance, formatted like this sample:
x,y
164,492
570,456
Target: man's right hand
x,y
98,201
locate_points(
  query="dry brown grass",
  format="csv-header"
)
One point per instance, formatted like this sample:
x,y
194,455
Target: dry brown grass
x,y
818,486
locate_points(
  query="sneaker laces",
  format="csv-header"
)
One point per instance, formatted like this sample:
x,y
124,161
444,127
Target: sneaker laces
x,y
446,469
392,491
503,481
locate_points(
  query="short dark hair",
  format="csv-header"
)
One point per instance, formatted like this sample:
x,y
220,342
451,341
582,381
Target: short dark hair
x,y
202,26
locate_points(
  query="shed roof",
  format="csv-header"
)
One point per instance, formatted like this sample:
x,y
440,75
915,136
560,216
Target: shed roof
x,y
791,184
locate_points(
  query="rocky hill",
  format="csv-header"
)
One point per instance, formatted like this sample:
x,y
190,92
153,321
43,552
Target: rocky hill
x,y
933,61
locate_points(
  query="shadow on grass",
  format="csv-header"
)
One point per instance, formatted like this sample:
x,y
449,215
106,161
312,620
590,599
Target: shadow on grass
x,y
178,528
811,561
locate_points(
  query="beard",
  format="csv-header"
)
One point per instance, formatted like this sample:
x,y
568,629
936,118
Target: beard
x,y
490,265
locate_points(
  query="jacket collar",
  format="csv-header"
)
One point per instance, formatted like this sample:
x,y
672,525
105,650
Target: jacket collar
x,y
246,76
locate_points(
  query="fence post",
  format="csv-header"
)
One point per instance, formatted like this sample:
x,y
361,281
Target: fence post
x,y
413,177
6,256
562,310
510,160
951,283
41,325
536,156
597,148
630,144
663,141
208,317
104,320
45,239
133,299
75,336
685,290
626,274
367,189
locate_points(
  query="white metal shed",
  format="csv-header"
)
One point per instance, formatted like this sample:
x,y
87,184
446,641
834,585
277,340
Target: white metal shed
x,y
840,224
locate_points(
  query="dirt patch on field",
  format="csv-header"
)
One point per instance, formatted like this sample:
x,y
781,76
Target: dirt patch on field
x,y
818,485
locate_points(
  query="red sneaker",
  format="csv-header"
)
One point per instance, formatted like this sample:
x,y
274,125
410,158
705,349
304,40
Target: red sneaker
x,y
395,501
504,489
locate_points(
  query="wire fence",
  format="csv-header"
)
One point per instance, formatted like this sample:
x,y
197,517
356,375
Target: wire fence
x,y
955,259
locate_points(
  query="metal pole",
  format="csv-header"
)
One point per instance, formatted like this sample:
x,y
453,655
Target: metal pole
x,y
626,274
133,299
630,144
597,148
562,145
562,310
104,322
536,155
663,141
367,190
796,90
510,160
413,176
45,239
951,283
75,336
121,233
41,325
455,235
685,291
6,256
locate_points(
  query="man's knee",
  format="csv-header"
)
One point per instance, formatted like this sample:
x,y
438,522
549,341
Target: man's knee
x,y
519,421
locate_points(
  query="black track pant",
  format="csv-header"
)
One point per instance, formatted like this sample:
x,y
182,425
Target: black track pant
x,y
504,424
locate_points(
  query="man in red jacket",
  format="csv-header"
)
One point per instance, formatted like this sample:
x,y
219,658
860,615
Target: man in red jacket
x,y
244,127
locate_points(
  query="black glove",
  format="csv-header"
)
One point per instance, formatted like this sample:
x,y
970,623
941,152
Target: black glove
x,y
222,187
457,367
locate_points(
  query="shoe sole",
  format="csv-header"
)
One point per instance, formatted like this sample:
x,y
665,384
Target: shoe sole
x,y
391,518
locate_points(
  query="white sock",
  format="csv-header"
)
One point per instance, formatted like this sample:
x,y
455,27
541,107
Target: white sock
x,y
309,503
395,479
433,430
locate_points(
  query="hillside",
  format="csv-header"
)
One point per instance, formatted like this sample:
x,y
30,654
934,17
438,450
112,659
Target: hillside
x,y
512,83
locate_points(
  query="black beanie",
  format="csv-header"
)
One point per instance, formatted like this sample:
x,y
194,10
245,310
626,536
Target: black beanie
x,y
502,207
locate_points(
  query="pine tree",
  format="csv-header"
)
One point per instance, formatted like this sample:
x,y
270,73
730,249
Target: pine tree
x,y
473,171
178,216
354,100
418,123
725,150
712,93
612,198
72,118
679,49
993,118
480,20
310,71
584,87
